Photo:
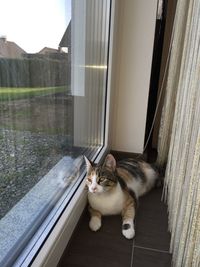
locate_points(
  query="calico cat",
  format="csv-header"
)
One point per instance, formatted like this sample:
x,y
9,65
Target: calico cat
x,y
114,188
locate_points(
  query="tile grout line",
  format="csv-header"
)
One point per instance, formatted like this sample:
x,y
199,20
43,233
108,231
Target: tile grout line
x,y
153,249
132,252
133,245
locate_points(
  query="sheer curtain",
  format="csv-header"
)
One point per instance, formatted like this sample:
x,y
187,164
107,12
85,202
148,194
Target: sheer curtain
x,y
179,138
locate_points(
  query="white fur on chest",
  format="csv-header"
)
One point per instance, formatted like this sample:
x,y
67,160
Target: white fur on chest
x,y
109,203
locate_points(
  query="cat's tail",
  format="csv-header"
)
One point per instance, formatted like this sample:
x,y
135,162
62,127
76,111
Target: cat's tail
x,y
160,170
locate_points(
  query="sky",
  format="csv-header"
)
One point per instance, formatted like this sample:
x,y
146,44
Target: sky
x,y
34,24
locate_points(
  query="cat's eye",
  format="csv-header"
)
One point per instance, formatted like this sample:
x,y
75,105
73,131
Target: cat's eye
x,y
89,180
101,179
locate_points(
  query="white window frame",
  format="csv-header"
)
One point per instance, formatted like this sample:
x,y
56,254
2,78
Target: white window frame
x,y
53,248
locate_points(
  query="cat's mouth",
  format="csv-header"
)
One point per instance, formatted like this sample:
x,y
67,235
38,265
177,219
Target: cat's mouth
x,y
94,191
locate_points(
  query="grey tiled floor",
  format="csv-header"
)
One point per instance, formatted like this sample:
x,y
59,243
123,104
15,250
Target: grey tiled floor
x,y
108,248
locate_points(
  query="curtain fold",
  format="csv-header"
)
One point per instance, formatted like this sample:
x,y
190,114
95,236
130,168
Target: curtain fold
x,y
179,137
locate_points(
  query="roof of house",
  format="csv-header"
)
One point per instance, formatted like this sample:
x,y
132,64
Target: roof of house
x,y
10,49
48,50
66,39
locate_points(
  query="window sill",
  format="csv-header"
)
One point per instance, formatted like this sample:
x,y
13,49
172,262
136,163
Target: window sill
x,y
55,245
53,248
52,220
19,225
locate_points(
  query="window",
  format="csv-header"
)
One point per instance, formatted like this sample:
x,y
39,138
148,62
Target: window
x,y
53,75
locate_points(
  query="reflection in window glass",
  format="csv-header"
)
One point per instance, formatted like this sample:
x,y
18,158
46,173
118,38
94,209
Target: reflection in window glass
x,y
53,67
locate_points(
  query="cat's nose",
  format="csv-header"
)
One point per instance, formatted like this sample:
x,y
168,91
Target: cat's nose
x,y
94,189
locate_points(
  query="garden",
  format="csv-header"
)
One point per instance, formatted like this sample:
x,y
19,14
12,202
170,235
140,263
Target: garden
x,y
36,129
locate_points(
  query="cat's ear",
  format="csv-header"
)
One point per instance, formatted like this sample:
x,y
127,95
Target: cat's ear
x,y
110,162
88,164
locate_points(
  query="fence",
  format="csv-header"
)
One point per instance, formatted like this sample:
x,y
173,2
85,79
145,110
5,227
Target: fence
x,y
34,72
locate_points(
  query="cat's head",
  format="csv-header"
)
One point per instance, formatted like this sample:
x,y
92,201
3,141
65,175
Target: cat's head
x,y
101,178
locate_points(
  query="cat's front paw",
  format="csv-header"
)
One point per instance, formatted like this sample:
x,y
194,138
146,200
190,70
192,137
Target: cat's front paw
x,y
95,223
128,230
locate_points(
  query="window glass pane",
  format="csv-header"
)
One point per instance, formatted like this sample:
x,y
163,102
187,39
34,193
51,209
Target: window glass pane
x,y
53,72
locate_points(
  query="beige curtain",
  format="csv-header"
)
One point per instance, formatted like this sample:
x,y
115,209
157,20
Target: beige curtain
x,y
179,137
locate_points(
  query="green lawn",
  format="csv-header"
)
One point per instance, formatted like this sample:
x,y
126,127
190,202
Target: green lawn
x,y
8,93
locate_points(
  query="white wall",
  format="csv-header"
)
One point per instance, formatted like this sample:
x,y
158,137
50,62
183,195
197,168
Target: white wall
x,y
134,39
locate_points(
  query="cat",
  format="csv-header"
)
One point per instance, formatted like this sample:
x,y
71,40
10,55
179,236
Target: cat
x,y
114,188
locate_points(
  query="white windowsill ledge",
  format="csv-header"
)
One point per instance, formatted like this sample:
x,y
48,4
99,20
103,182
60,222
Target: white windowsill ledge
x,y
25,212
56,243
54,247
20,223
